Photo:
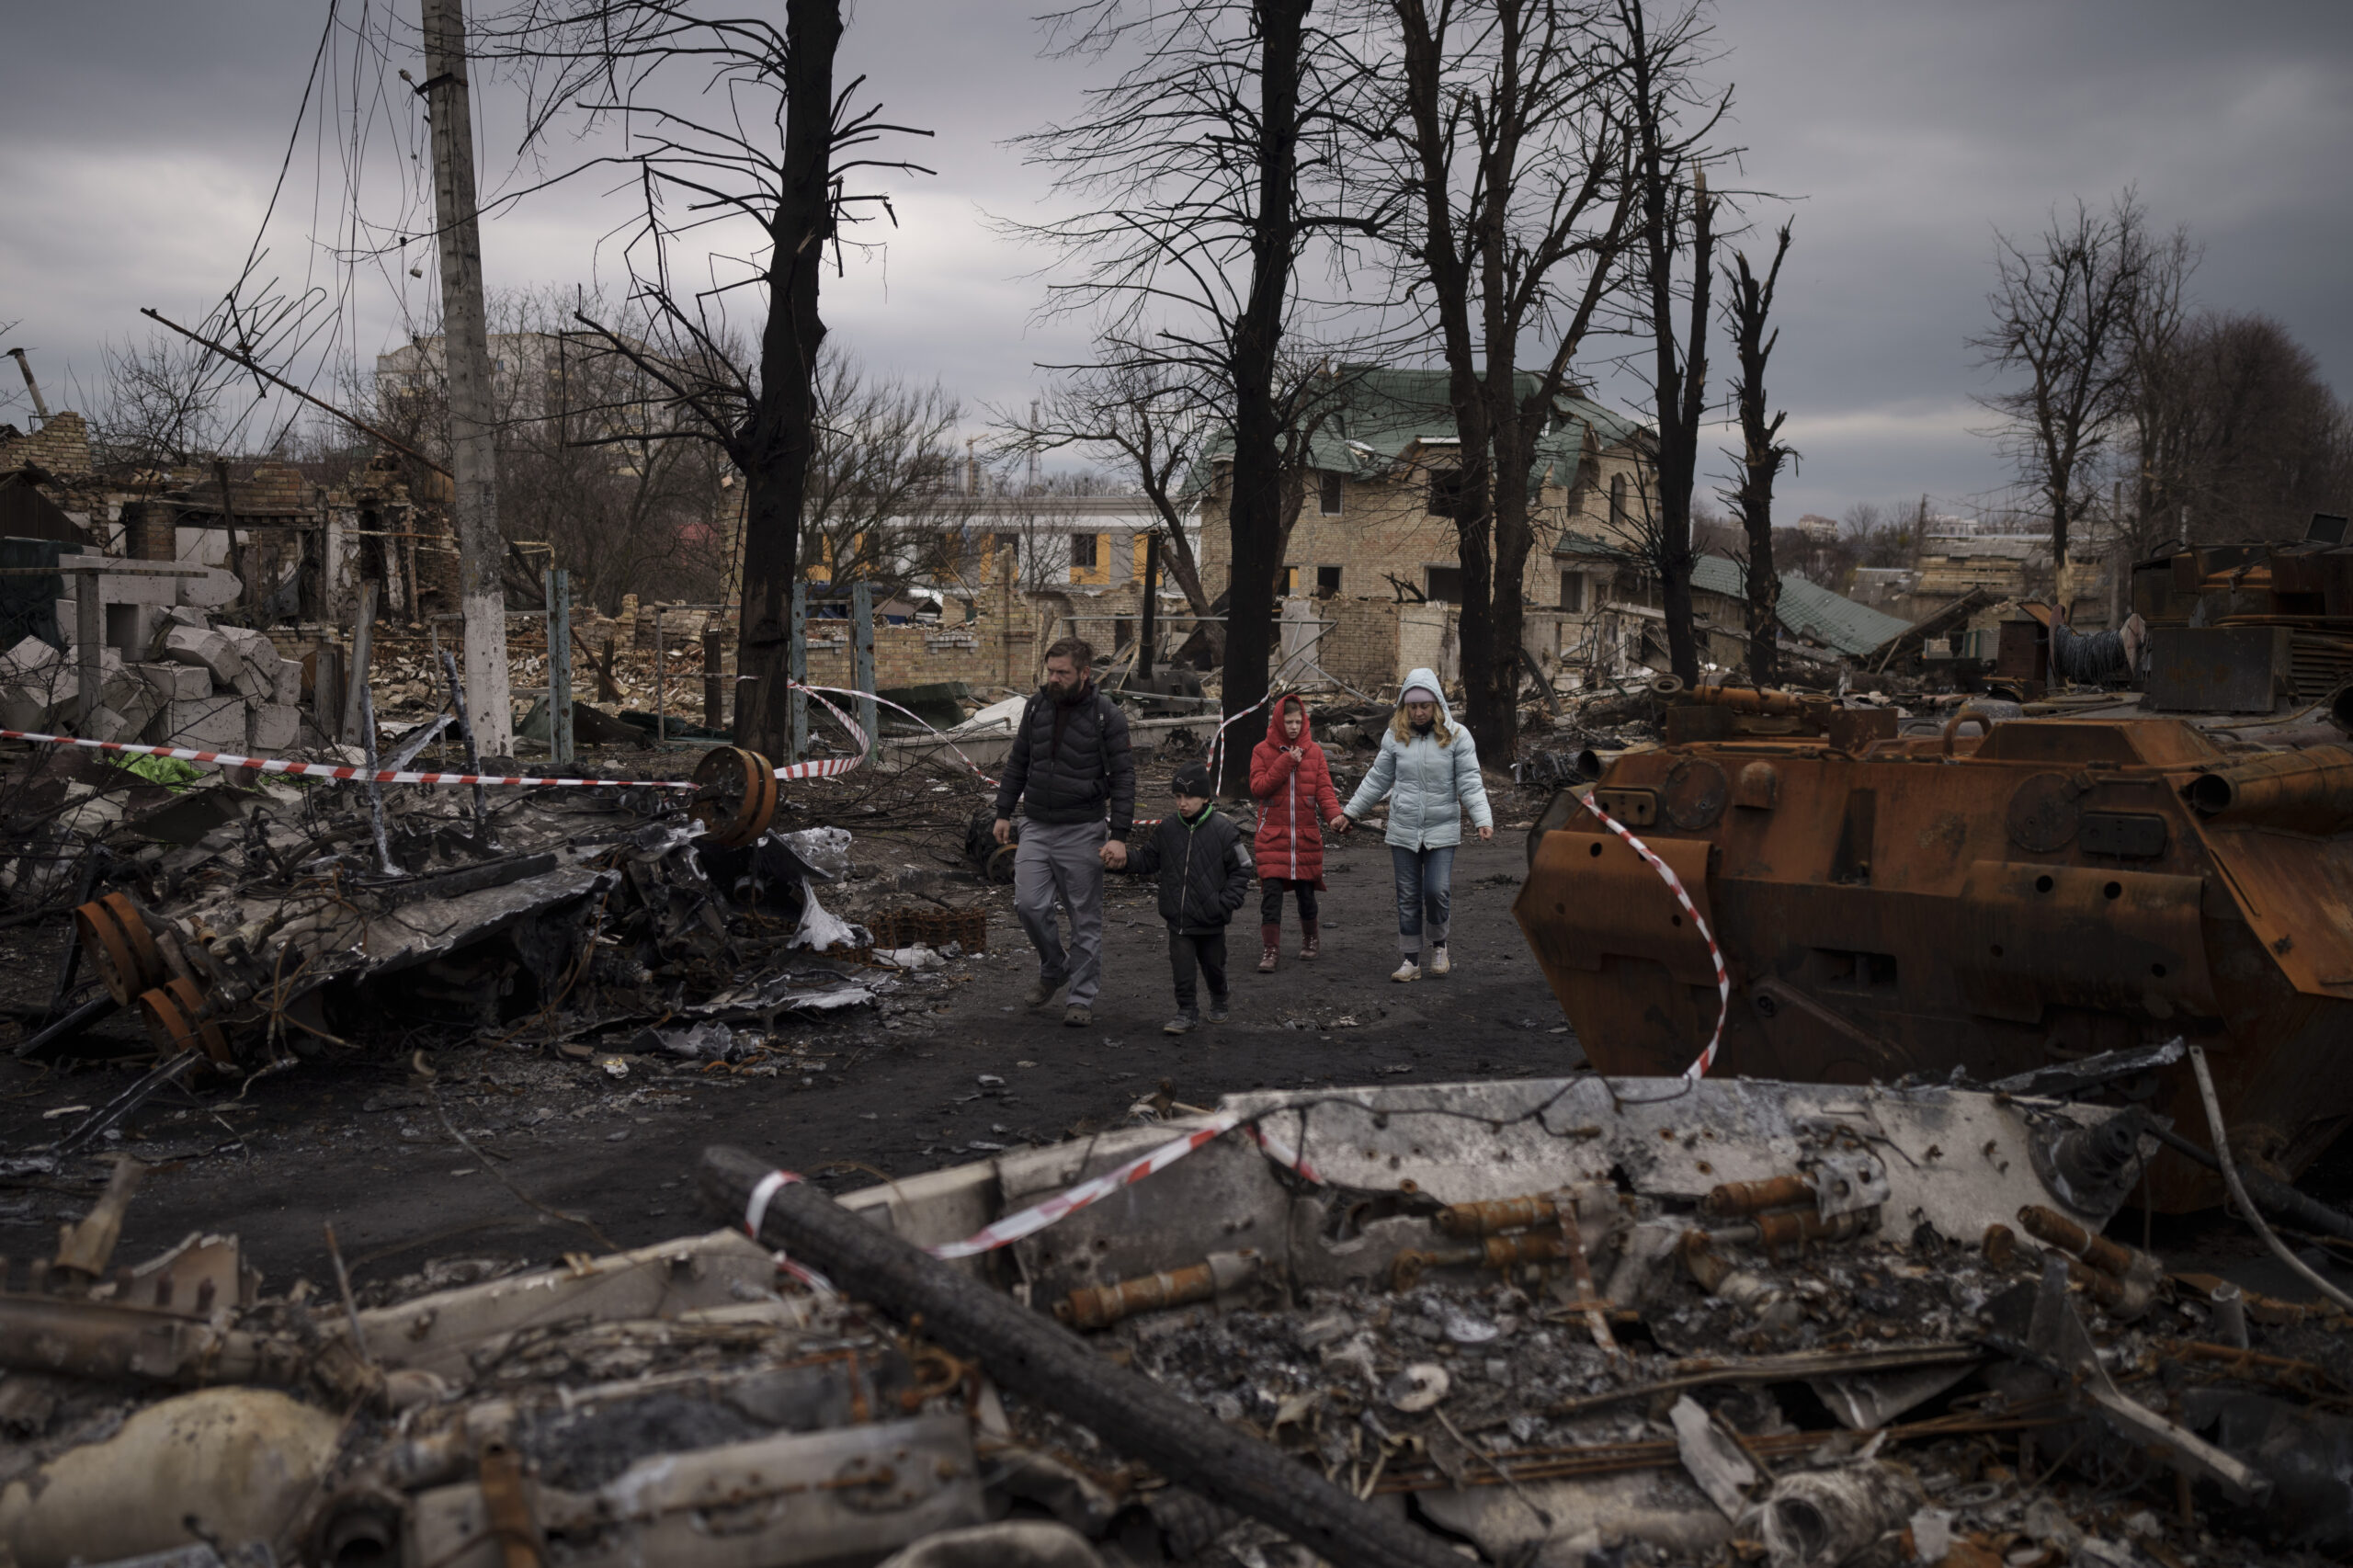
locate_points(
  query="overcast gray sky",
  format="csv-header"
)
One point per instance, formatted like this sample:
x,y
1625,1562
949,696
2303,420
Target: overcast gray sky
x,y
141,141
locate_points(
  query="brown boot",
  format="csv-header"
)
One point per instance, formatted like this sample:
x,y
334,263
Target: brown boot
x,y
1271,942
1312,938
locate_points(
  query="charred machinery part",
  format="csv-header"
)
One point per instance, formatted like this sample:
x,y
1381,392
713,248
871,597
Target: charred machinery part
x,y
2050,1226
2058,1347
178,1019
114,932
2229,1303
84,1250
1736,1197
735,795
1796,1227
849,1495
1820,1518
123,1104
94,866
1219,1278
2093,1072
114,1341
2093,1168
98,1009
1718,1277
1505,1252
2123,1279
1033,1356
2288,1203
1495,1215
2304,791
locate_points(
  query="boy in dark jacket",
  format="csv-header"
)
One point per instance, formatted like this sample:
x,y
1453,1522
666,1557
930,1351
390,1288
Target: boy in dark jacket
x,y
1204,869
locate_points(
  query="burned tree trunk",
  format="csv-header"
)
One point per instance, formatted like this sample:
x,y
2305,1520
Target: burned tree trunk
x,y
775,447
1254,516
1762,453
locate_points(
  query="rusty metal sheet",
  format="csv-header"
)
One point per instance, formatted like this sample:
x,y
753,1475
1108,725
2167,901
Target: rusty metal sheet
x,y
2297,898
1597,871
2218,669
2033,935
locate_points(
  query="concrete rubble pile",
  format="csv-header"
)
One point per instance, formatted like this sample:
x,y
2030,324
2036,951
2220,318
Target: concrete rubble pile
x,y
1566,1321
170,676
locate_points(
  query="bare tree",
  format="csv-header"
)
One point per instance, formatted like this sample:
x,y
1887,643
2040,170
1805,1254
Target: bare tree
x,y
765,138
1763,452
1140,421
1211,166
161,402
1677,220
1513,163
2063,313
885,504
2240,437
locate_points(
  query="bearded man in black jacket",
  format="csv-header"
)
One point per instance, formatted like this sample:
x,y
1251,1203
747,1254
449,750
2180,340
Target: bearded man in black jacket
x,y
1072,774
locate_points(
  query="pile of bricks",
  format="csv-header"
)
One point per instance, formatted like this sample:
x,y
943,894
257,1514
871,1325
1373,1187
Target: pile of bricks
x,y
189,683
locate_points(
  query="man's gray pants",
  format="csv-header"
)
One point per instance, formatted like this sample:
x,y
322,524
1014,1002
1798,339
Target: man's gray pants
x,y
1063,862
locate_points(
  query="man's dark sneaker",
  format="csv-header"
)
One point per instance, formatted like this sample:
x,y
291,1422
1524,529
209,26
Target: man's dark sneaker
x,y
1183,1023
1078,1018
1217,1010
1042,992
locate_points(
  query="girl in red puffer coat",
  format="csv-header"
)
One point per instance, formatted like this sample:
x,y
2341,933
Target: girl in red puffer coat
x,y
1292,784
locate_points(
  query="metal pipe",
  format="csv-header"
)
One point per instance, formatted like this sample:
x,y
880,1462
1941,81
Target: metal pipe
x,y
71,1024
41,404
2246,1206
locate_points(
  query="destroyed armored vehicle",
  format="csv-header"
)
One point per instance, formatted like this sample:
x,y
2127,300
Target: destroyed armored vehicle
x,y
2003,891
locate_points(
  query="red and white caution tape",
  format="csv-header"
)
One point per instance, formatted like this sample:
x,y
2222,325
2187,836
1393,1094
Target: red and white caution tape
x,y
348,773
886,702
1700,1068
1036,1217
1217,741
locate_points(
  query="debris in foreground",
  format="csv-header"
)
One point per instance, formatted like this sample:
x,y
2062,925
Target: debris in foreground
x,y
1655,1320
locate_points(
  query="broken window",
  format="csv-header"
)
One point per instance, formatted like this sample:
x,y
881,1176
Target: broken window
x,y
1444,584
1446,492
1327,493
1573,592
1083,550
1327,581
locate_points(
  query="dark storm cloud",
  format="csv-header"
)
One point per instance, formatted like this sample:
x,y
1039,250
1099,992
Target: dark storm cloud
x,y
143,140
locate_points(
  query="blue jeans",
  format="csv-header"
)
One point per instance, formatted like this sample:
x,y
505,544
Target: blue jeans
x,y
1425,889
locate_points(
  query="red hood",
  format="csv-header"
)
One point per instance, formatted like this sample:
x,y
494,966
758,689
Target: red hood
x,y
1275,722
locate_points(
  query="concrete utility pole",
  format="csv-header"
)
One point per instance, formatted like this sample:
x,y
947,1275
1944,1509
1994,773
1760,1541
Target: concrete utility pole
x,y
465,347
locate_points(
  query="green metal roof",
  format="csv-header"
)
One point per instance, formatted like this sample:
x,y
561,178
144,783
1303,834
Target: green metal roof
x,y
1383,412
1806,608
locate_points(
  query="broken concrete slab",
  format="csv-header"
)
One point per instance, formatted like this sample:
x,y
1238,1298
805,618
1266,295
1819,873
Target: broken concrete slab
x,y
174,682
204,723
208,649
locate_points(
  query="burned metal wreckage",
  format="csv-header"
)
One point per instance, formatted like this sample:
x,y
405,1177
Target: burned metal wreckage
x,y
2002,885
1879,1316
1539,1322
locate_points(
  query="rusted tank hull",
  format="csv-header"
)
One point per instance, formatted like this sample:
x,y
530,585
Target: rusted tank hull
x,y
1999,907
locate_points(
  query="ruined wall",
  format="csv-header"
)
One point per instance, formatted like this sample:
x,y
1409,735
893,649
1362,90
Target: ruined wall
x,y
62,446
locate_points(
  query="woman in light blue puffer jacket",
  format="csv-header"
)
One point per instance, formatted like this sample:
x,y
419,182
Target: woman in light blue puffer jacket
x,y
1429,769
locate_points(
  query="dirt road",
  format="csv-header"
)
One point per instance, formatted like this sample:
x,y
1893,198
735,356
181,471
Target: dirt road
x,y
880,1092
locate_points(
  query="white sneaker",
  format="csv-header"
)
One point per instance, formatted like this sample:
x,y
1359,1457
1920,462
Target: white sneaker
x,y
1439,963
1407,970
